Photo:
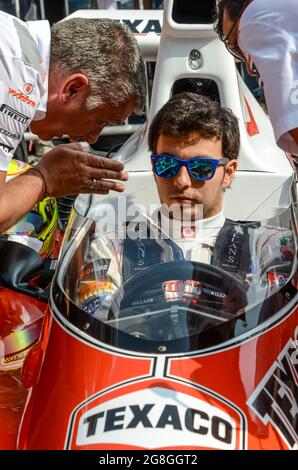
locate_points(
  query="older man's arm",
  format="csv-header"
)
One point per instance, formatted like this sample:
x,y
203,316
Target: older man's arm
x,y
65,170
18,197
294,134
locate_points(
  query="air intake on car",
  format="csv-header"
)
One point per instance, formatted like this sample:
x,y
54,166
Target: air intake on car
x,y
193,12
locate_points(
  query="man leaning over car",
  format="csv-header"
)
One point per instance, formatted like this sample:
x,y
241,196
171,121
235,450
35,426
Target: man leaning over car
x,y
264,35
73,79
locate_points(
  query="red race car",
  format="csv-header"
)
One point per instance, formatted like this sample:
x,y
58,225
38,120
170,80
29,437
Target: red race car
x,y
28,253
141,354
180,355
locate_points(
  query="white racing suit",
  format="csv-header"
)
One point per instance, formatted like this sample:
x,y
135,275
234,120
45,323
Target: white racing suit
x,y
24,65
256,256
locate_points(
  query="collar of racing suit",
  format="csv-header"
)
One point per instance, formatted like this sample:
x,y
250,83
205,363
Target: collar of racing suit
x,y
196,239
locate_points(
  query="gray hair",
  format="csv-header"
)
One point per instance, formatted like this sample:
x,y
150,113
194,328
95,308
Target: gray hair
x,y
107,53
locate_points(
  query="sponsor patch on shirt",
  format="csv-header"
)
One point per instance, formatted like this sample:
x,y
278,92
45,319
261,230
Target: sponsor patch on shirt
x,y
13,114
95,270
286,248
286,253
5,148
181,290
277,279
28,88
188,231
9,134
92,293
20,96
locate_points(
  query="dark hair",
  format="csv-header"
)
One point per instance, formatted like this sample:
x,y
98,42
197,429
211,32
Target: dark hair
x,y
233,8
188,113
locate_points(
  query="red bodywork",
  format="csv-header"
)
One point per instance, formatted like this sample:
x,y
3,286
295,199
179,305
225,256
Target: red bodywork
x,y
20,324
21,319
90,396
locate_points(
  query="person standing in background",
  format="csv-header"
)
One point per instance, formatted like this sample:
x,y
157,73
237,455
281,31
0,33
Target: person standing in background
x,y
264,35
104,4
8,6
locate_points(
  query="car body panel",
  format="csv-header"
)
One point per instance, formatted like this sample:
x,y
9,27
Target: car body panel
x,y
255,413
240,394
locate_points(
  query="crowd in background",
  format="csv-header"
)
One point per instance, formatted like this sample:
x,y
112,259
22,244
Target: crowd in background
x,y
58,9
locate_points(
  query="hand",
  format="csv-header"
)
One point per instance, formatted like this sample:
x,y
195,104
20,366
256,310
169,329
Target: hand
x,y
68,170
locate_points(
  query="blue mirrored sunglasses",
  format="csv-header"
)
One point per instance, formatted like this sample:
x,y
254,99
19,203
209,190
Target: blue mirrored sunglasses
x,y
202,169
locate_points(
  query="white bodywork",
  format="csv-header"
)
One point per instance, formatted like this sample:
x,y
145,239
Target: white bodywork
x,y
264,181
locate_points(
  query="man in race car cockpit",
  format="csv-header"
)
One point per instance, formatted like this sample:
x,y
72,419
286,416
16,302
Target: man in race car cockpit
x,y
195,145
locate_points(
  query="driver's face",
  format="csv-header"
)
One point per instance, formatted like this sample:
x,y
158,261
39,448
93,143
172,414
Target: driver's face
x,y
186,191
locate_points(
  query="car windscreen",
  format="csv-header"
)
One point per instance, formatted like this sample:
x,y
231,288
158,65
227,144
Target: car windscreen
x,y
139,286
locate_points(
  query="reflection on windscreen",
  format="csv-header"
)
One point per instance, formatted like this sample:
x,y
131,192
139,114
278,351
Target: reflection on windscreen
x,y
156,286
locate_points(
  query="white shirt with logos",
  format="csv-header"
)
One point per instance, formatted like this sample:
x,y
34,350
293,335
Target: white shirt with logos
x,y
268,35
24,64
196,239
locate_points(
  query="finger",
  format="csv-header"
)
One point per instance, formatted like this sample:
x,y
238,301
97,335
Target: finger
x,y
103,185
110,186
107,174
103,162
93,191
72,146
